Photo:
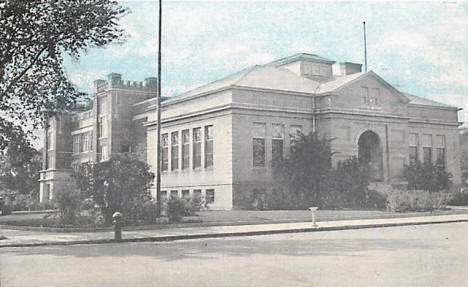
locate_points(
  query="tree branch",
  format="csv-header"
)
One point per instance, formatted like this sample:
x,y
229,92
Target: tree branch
x,y
13,82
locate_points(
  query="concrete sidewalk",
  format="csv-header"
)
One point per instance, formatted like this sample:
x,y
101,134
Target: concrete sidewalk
x,y
20,238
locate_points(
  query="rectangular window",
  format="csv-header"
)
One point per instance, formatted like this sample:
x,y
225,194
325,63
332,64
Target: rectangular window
x,y
164,152
103,106
99,152
210,196
185,149
50,140
174,194
50,161
175,151
196,147
163,195
375,97
46,193
365,95
294,133
86,141
104,153
185,193
208,146
90,142
440,150
258,144
427,148
102,127
83,142
59,125
324,70
197,193
413,142
315,69
277,139
125,148
76,143
427,154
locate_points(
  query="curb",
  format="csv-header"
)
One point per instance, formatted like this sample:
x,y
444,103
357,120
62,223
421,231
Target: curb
x,y
169,238
188,224
45,211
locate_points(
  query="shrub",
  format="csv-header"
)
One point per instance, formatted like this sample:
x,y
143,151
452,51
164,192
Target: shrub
x,y
68,202
141,210
197,203
90,212
6,209
305,173
348,185
459,199
376,200
119,184
426,176
20,202
416,200
176,209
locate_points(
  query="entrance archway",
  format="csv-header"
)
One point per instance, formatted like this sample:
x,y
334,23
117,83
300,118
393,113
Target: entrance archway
x,y
370,153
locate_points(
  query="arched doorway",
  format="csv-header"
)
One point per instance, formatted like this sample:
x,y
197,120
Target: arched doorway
x,y
370,153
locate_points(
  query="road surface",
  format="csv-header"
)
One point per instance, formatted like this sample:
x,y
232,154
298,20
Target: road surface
x,y
426,255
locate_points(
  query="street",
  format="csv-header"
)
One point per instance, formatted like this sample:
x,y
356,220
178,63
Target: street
x,y
425,255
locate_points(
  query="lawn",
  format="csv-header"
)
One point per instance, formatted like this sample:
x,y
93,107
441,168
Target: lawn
x,y
237,217
276,216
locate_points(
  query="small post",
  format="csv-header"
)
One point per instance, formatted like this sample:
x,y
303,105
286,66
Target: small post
x,y
117,216
313,211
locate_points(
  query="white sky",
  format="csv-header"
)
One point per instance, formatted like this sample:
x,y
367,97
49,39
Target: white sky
x,y
420,47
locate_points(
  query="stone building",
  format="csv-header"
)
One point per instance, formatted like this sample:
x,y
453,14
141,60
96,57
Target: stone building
x,y
464,156
220,139
95,131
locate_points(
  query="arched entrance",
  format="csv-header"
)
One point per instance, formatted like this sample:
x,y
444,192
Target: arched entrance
x,y
370,153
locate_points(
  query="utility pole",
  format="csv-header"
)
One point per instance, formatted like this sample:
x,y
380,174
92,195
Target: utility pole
x,y
365,47
158,144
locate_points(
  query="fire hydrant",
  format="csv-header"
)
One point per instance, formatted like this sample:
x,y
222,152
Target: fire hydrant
x,y
313,210
117,216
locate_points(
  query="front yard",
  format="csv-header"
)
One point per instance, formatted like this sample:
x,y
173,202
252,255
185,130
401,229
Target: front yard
x,y
237,217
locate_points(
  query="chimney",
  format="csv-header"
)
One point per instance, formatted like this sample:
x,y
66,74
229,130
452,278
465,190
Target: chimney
x,y
97,84
348,68
114,79
151,83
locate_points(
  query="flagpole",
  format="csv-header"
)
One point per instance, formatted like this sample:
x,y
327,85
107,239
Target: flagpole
x,y
158,163
365,47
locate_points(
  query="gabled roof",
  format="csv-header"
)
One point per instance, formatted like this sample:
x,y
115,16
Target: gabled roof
x,y
337,83
218,84
272,76
260,77
277,79
426,102
341,82
300,56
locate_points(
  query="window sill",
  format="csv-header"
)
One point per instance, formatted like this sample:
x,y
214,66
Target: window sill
x,y
371,108
259,168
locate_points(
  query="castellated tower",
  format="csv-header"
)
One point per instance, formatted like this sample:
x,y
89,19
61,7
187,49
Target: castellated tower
x,y
95,131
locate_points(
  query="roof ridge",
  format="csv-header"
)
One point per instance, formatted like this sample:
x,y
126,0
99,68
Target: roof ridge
x,y
428,100
297,55
238,73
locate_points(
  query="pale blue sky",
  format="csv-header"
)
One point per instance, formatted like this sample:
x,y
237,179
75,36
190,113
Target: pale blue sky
x,y
420,47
